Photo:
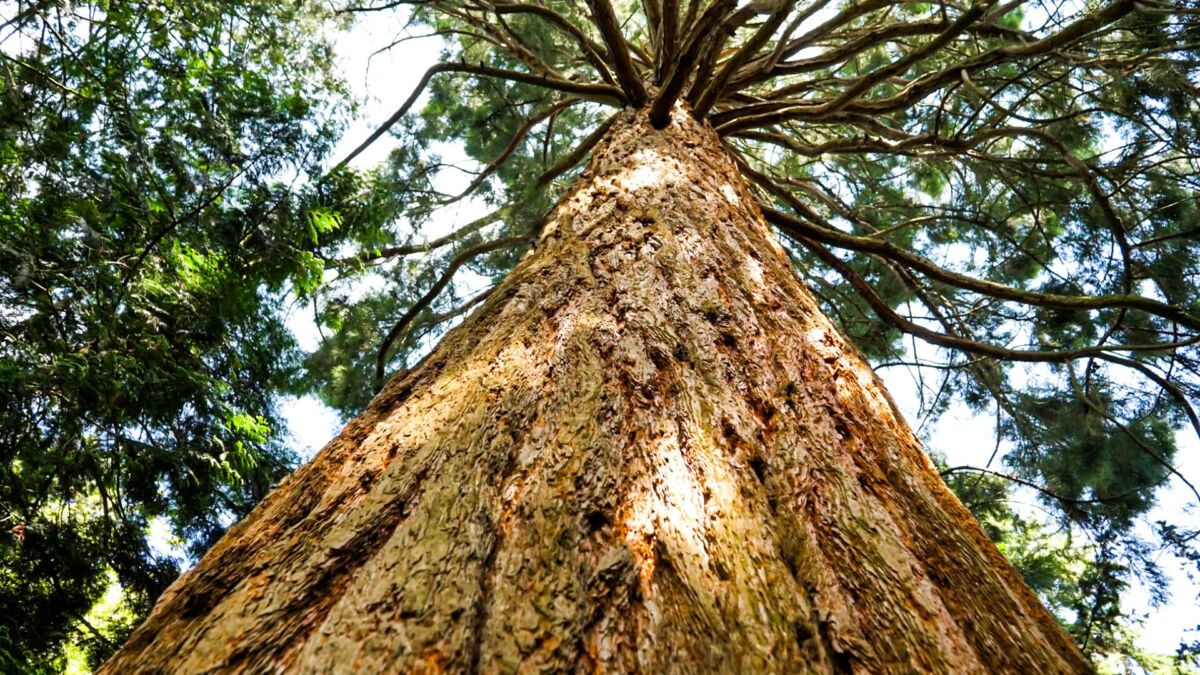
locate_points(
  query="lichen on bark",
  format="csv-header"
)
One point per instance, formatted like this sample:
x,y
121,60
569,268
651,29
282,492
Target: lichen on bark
x,y
647,451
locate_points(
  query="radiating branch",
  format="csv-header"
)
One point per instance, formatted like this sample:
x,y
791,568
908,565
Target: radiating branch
x,y
689,55
591,51
417,307
886,249
601,93
714,88
618,51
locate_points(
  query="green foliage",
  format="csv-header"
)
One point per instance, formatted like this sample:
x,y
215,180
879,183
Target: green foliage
x,y
146,241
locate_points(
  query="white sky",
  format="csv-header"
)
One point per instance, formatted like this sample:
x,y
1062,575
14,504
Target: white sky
x,y
962,437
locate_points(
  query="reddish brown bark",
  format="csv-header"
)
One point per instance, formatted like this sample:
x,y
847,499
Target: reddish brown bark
x,y
647,451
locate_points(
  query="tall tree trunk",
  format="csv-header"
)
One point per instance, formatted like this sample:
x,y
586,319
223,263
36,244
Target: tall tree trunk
x,y
647,451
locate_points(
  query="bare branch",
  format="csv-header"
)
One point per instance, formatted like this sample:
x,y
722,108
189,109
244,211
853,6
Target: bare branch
x,y
681,68
668,39
417,307
618,51
601,93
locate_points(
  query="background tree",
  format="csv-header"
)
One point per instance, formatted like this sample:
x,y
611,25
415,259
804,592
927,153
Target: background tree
x,y
151,220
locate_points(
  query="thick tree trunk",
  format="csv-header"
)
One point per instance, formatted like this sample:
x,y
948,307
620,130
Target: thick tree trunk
x,y
648,451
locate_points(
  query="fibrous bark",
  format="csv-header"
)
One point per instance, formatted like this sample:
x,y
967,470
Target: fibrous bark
x,y
647,451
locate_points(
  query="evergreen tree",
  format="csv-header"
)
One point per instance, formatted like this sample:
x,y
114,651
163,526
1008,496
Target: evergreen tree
x,y
147,229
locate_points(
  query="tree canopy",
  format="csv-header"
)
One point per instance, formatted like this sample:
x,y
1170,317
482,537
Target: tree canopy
x,y
999,196
148,227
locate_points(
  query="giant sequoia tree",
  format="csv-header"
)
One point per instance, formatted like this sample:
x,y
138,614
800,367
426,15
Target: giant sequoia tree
x,y
651,445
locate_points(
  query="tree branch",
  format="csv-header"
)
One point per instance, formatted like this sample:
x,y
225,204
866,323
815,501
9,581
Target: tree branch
x,y
890,251
591,51
438,286
409,249
601,93
577,153
1039,488
512,147
681,68
887,314
714,88
618,51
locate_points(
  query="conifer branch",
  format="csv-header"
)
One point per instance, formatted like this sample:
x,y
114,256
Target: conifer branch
x,y
618,51
425,300
885,312
461,233
600,93
512,146
828,235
